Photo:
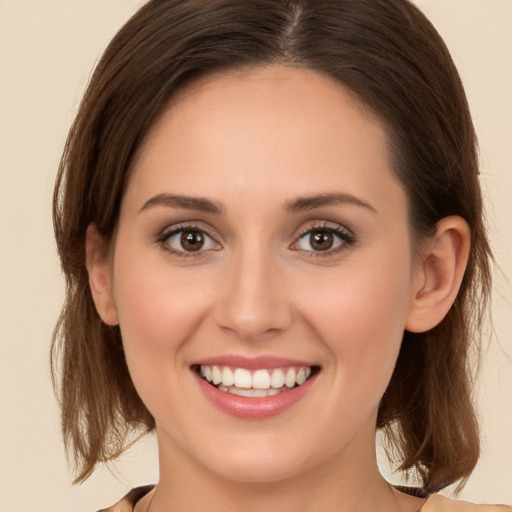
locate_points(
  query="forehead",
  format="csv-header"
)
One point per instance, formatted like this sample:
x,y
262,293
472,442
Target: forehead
x,y
291,130
251,89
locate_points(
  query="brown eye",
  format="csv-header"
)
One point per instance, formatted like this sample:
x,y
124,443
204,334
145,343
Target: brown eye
x,y
188,240
327,240
192,240
321,240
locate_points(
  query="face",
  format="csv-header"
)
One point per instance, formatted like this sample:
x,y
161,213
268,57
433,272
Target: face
x,y
263,245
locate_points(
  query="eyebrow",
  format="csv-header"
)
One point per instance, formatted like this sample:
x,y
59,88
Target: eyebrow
x,y
198,204
300,204
306,203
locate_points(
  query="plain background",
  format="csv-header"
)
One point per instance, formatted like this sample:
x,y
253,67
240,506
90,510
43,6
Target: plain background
x,y
47,51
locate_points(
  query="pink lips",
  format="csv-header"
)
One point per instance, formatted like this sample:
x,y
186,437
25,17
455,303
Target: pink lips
x,y
257,407
251,363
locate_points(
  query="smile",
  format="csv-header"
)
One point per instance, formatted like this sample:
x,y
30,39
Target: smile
x,y
255,383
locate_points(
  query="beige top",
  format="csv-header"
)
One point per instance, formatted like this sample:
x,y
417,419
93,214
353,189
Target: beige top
x,y
435,503
438,503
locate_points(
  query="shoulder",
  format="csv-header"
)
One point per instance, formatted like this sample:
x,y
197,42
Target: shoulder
x,y
439,503
128,502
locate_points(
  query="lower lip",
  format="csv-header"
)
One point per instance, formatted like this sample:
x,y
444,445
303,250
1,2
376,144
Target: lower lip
x,y
258,407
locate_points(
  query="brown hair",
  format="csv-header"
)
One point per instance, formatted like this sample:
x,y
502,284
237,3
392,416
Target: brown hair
x,y
389,55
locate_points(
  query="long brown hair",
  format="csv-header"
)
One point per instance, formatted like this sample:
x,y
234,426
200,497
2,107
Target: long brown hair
x,y
392,58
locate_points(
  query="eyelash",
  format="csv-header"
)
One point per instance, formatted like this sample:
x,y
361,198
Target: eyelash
x,y
342,234
168,233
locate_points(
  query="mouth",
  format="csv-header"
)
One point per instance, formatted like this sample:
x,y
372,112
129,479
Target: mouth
x,y
255,383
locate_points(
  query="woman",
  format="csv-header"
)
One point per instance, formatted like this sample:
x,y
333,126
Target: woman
x,y
270,221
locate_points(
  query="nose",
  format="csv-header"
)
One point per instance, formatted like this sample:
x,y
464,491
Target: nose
x,y
253,301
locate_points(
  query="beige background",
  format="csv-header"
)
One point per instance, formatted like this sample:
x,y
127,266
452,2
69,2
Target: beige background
x,y
47,49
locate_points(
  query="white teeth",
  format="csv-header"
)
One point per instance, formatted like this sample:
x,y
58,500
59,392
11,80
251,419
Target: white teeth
x,y
277,379
289,380
228,378
252,393
243,378
261,379
216,375
241,381
301,377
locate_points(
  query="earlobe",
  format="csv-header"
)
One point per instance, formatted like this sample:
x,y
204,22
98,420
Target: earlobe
x,y
100,276
439,274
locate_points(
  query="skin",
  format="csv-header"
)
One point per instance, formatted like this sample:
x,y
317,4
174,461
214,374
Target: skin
x,y
252,142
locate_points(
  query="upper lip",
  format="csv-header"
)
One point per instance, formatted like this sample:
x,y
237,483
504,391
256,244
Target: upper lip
x,y
251,363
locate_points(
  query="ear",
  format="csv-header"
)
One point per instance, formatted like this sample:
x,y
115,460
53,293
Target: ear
x,y
97,261
439,274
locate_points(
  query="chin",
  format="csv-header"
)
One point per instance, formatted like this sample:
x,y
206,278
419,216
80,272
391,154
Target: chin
x,y
263,462
258,471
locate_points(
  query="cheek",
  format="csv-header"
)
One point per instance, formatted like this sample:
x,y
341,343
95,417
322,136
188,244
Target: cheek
x,y
360,316
156,306
158,312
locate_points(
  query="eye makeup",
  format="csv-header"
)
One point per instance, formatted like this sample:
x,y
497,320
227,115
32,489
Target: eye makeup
x,y
193,240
